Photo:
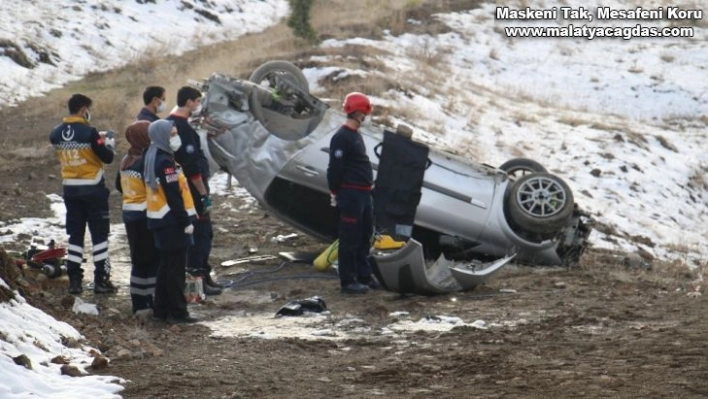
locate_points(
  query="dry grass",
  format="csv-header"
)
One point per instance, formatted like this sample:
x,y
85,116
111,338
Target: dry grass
x,y
665,275
666,144
572,121
668,58
469,148
635,69
606,127
698,178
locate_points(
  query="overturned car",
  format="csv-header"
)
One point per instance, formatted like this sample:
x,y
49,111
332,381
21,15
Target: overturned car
x,y
273,136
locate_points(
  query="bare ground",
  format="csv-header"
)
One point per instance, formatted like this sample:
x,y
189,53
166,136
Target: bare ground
x,y
597,330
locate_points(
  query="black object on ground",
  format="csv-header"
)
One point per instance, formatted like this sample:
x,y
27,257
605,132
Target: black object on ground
x,y
314,304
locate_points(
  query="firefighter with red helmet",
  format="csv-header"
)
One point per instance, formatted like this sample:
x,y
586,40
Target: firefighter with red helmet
x,y
350,178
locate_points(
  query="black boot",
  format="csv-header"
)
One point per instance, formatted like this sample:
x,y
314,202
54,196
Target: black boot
x,y
181,319
104,286
355,288
210,290
210,281
75,284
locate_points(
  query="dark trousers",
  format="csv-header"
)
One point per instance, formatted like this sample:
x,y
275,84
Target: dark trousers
x,y
91,209
355,230
198,254
169,291
145,259
169,288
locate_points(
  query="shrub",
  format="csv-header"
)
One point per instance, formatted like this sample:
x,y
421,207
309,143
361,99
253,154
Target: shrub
x,y
299,20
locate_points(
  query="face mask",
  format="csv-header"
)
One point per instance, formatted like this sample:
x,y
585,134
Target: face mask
x,y
162,107
87,116
197,110
175,143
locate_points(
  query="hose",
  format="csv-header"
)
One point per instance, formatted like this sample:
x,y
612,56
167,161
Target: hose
x,y
241,280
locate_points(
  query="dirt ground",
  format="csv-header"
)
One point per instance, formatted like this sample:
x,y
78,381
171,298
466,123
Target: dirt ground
x,y
597,330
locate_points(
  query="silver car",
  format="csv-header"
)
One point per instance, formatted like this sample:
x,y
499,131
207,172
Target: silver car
x,y
273,136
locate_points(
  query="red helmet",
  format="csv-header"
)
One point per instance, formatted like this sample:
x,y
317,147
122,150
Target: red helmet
x,y
356,101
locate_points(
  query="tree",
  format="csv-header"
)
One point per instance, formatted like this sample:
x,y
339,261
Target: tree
x,y
299,20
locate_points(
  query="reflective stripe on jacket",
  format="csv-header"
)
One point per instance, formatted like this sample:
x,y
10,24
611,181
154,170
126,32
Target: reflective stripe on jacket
x,y
134,193
171,203
82,154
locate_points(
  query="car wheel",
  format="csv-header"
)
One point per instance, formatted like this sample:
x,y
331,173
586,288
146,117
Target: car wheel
x,y
267,72
518,167
540,203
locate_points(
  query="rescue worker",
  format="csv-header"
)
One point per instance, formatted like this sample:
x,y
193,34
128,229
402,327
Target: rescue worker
x,y
155,103
196,168
350,178
171,214
83,152
144,257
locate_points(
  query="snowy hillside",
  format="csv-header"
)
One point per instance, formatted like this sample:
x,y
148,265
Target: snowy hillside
x,y
44,45
623,121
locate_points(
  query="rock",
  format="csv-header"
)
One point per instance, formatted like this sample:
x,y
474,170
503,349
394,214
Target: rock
x,y
71,371
596,172
646,255
112,313
559,284
175,329
94,353
153,350
636,261
23,361
51,177
143,316
124,354
59,360
99,362
22,282
31,176
135,343
68,301
104,347
42,280
72,343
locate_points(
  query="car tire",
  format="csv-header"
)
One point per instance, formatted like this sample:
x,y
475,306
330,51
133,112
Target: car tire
x,y
540,203
284,67
518,167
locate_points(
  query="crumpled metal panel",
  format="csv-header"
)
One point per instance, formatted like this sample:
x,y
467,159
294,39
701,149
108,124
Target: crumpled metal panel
x,y
405,271
242,144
